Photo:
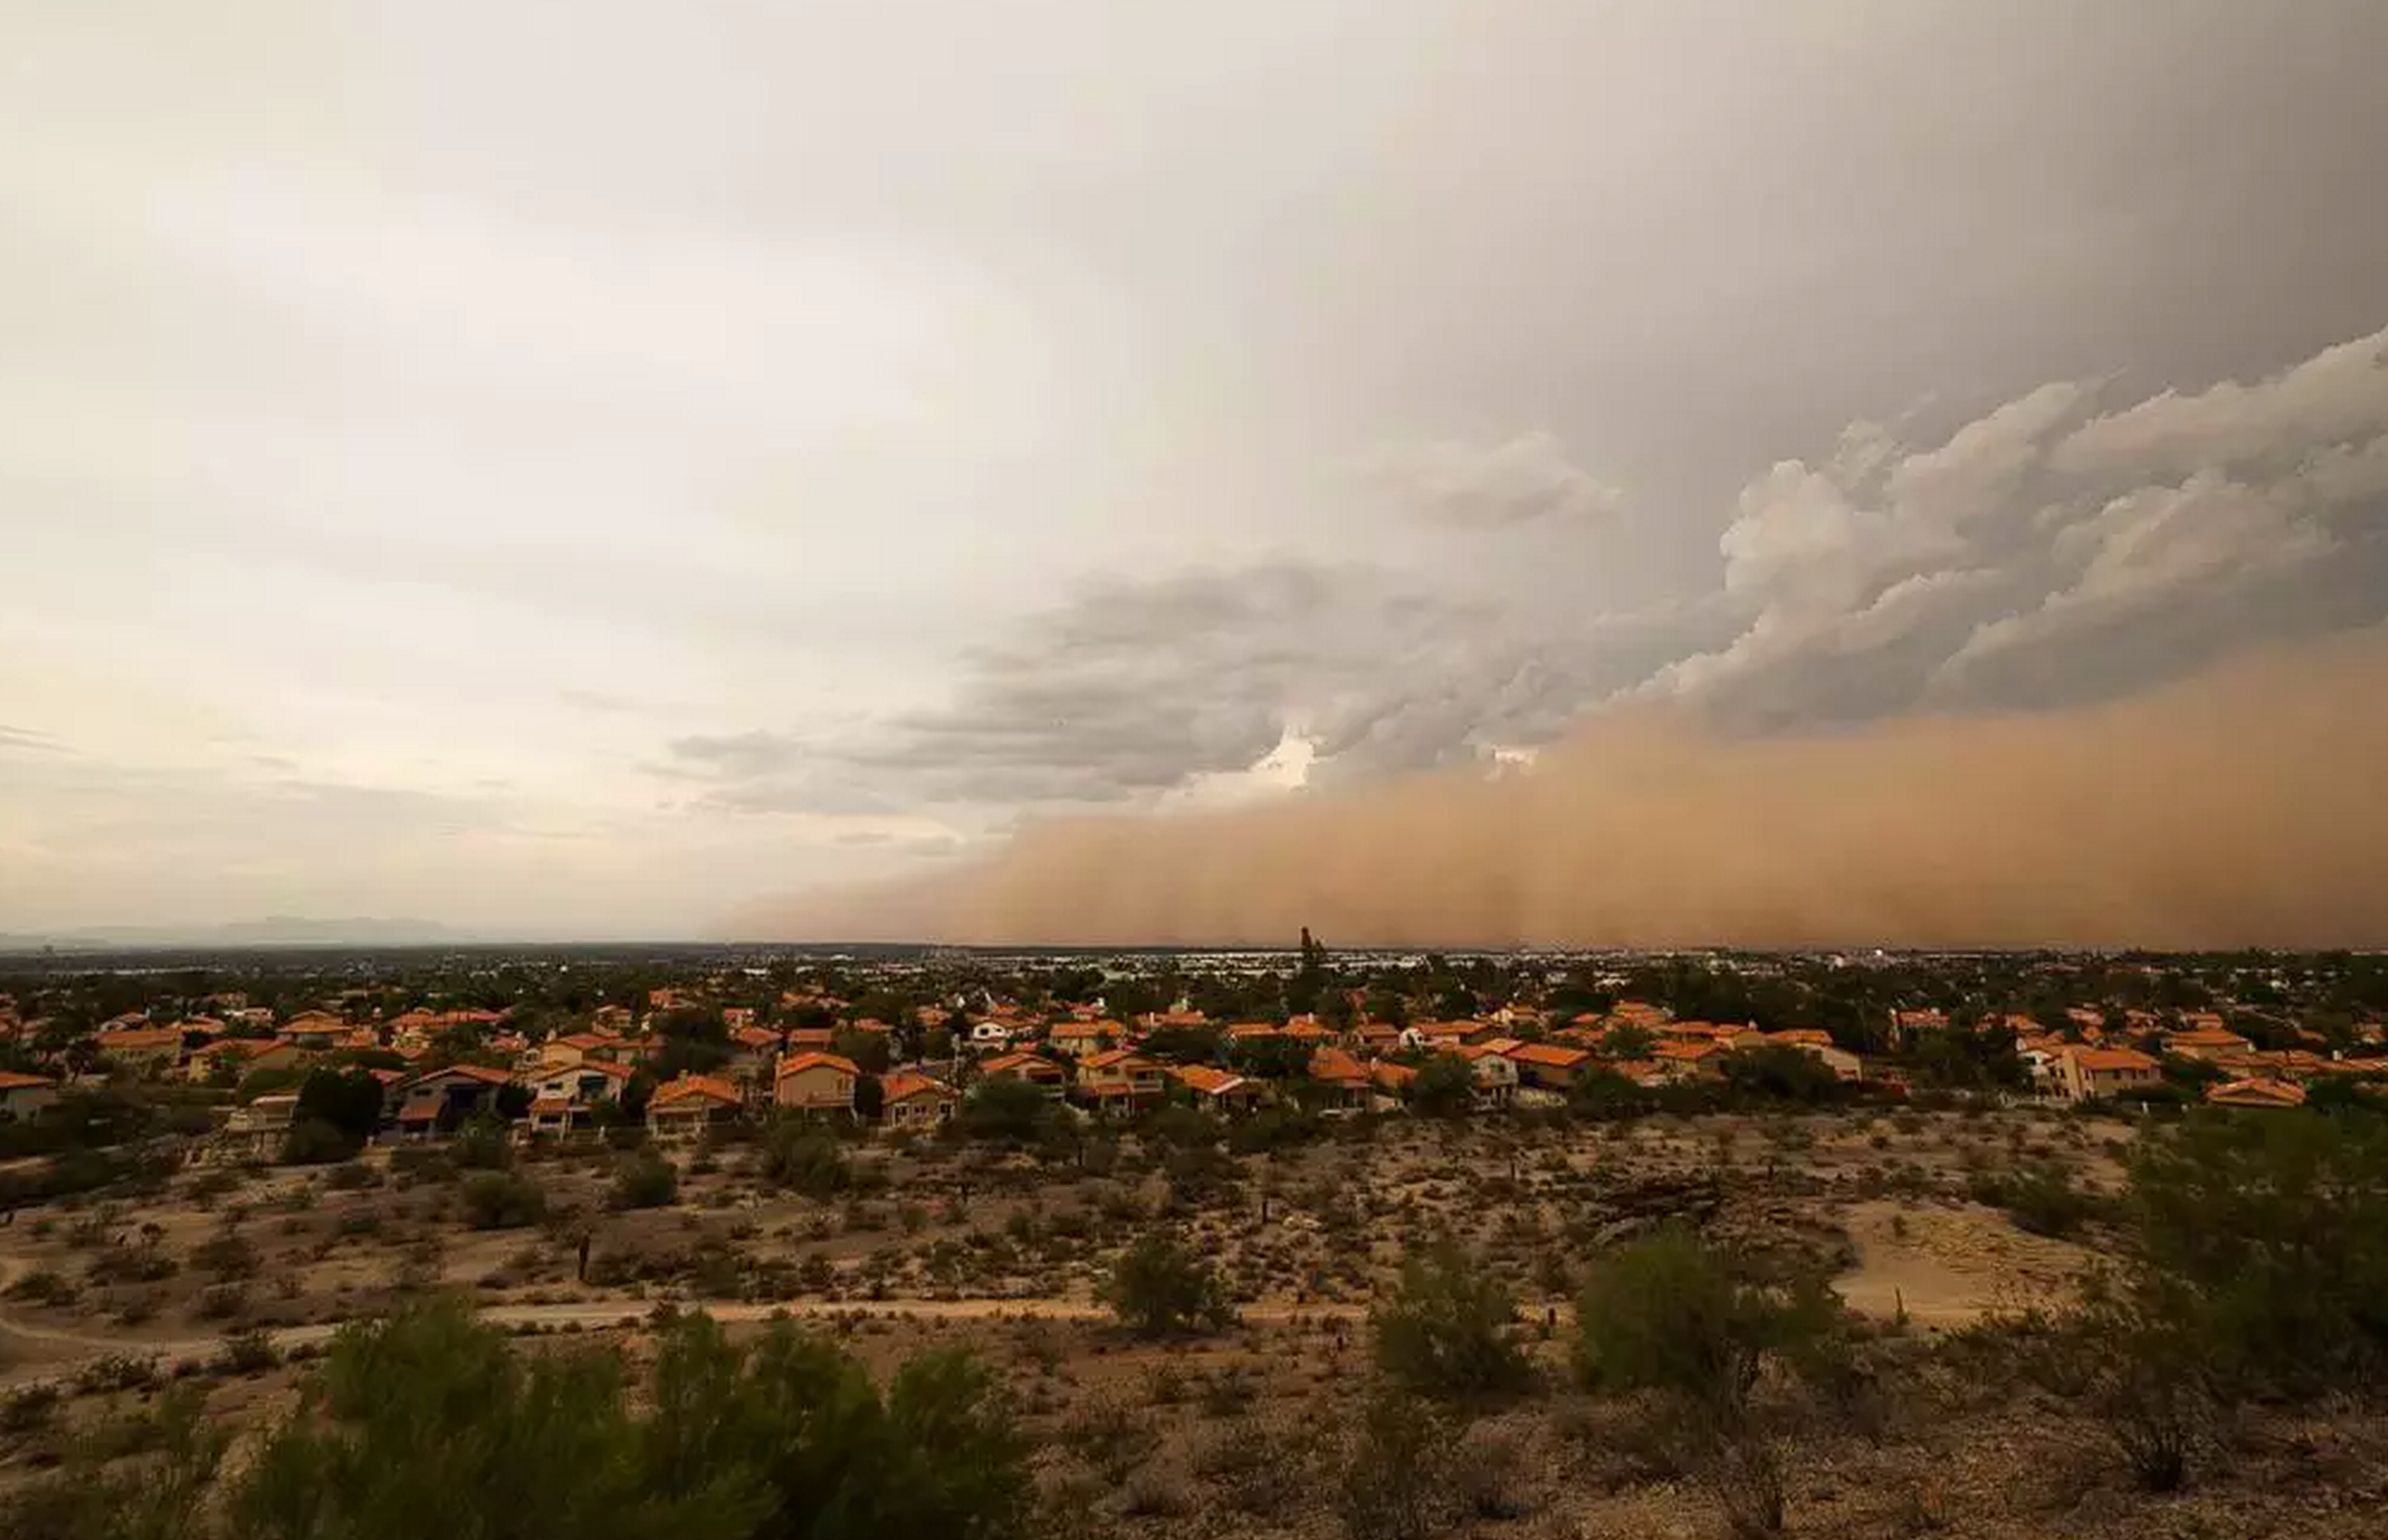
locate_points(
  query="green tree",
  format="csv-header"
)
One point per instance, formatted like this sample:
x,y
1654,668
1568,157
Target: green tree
x,y
1159,1287
1445,1087
1444,1334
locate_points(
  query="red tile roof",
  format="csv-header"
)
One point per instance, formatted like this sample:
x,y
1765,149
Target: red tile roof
x,y
903,1085
798,1064
696,1087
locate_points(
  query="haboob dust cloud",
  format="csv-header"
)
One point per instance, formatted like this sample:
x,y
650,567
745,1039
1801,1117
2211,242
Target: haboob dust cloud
x,y
2246,806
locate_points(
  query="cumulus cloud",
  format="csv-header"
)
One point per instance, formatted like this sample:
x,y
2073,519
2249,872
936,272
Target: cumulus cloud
x,y
2049,551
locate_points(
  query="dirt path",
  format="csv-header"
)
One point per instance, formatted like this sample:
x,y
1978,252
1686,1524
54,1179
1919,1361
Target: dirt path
x,y
74,1349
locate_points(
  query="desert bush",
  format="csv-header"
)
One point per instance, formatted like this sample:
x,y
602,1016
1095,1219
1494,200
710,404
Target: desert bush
x,y
807,1160
226,1256
1158,1288
1444,1332
503,1199
352,1176
643,1180
1395,1482
429,1422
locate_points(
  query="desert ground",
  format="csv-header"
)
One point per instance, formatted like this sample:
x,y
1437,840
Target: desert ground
x,y
234,1279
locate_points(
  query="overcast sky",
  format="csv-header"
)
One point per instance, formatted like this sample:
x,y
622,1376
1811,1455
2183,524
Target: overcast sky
x,y
564,468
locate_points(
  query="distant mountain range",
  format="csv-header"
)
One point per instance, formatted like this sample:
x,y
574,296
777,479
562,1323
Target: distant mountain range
x,y
276,930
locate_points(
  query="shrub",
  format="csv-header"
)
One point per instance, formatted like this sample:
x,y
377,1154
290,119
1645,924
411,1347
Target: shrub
x,y
1395,1482
352,1176
1158,1288
226,1256
807,1161
2043,1201
482,1146
1444,1334
644,1180
503,1199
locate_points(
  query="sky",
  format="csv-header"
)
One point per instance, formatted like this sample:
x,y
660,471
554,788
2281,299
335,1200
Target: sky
x,y
575,469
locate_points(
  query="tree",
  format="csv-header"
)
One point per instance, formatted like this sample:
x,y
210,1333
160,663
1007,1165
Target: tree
x,y
869,1050
1444,1332
1005,1107
1627,1040
1445,1087
869,1098
347,1100
1780,1073
1159,1287
1667,1314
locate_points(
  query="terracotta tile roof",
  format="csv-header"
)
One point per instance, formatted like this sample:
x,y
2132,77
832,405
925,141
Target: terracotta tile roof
x,y
1390,1075
542,1106
696,1087
1334,1065
2256,1093
481,1073
1208,1080
12,1081
1691,1051
2112,1060
1123,1059
1024,1064
1549,1055
1812,1036
137,1038
797,1063
903,1085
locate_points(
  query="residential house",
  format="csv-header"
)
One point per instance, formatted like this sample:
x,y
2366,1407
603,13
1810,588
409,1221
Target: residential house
x,y
752,1052
2209,1043
25,1097
1037,1070
1388,1085
440,1100
1216,1090
809,1039
240,1056
1082,1040
816,1085
1678,1060
565,1097
1905,1024
150,1050
2255,1093
991,1033
912,1102
685,1107
1819,1046
1346,1085
253,1134
315,1031
1494,1074
2088,1074
1549,1066
1120,1080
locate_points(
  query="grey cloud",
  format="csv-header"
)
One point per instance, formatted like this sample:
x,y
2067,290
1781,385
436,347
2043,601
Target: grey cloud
x,y
744,753
1523,480
2041,555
